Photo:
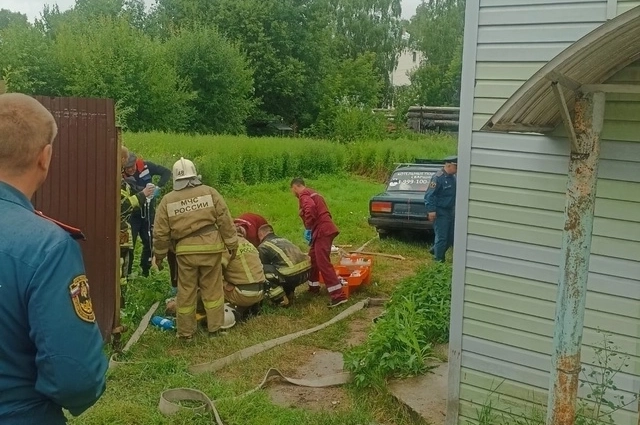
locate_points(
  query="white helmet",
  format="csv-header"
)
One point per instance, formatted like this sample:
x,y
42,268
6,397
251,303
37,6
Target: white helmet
x,y
183,171
229,316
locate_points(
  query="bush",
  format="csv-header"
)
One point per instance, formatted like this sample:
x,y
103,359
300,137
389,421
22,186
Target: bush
x,y
400,343
219,75
353,123
106,57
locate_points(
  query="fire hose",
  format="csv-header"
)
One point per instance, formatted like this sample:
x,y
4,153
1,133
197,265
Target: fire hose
x,y
170,400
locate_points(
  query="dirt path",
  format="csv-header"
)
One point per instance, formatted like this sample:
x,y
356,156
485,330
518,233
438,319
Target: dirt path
x,y
316,363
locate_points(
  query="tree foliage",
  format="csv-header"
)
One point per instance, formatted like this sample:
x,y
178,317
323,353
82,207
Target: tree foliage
x,y
8,17
107,57
214,66
218,76
437,31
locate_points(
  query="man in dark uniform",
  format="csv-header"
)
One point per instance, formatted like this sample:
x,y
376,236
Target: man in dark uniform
x,y
51,348
139,173
440,200
284,263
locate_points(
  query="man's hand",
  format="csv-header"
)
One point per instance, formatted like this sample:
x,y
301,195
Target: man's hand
x,y
232,253
431,216
148,191
157,263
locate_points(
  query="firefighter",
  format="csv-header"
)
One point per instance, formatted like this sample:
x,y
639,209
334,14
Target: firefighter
x,y
251,223
130,201
194,221
284,263
243,276
320,231
139,174
51,349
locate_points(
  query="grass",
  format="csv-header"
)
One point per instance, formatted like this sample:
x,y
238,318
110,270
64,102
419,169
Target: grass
x,y
133,389
402,341
229,160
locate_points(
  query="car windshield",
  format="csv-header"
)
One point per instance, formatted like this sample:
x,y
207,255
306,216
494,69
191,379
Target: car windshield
x,y
415,180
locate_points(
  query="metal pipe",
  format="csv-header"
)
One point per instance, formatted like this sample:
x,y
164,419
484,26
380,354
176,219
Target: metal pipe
x,y
574,263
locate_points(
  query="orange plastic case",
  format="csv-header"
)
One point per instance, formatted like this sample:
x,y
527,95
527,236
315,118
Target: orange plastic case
x,y
354,270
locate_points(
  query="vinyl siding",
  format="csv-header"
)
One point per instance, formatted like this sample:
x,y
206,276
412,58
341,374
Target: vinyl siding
x,y
515,220
625,5
515,41
516,204
511,50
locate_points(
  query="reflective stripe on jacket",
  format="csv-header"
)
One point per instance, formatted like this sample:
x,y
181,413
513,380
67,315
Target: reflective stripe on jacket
x,y
288,259
246,267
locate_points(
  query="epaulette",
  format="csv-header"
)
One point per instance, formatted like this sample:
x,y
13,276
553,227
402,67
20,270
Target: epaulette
x,y
439,173
75,233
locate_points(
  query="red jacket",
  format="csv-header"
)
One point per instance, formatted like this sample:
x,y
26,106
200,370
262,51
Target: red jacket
x,y
251,223
315,214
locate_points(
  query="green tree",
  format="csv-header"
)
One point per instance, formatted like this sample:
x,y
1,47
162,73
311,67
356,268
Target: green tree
x,y
219,76
8,17
351,90
375,26
107,57
437,31
27,63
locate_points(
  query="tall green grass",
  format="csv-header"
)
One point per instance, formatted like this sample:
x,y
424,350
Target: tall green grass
x,y
224,160
401,342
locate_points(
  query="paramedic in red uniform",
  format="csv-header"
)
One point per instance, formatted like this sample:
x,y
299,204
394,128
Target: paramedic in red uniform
x,y
319,225
251,223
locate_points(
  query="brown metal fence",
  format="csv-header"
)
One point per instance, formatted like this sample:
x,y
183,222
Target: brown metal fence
x,y
82,190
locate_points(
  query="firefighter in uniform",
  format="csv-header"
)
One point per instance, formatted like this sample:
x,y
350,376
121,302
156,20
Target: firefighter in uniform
x,y
284,263
130,201
440,201
243,276
51,348
320,233
194,221
251,223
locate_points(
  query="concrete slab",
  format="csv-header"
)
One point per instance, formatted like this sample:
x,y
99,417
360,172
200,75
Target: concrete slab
x,y
426,395
320,363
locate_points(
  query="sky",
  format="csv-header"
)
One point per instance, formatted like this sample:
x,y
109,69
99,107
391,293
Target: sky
x,y
32,8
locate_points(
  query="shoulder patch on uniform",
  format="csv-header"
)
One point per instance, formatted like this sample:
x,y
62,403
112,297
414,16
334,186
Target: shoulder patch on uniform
x,y
432,185
79,291
439,173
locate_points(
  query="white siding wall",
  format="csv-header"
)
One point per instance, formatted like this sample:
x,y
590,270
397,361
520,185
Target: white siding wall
x,y
408,61
624,5
515,218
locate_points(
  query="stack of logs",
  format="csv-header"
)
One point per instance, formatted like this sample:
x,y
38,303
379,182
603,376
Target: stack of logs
x,y
433,118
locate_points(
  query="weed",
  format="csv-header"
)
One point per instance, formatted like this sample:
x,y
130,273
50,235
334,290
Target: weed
x,y
228,160
600,404
486,415
597,408
401,343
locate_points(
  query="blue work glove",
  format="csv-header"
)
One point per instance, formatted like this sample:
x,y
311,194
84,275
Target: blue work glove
x,y
307,236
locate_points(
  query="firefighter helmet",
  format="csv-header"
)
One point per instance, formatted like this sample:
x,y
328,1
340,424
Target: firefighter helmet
x,y
183,171
230,316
